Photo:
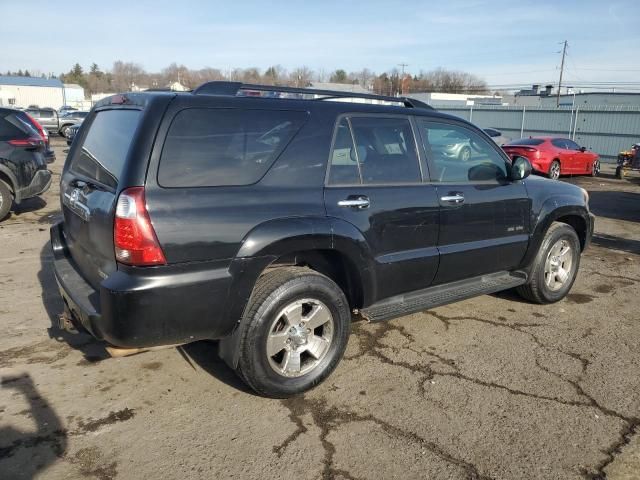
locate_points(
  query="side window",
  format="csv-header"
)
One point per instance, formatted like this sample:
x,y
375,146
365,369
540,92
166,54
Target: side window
x,y
344,168
209,147
458,154
559,143
385,149
571,145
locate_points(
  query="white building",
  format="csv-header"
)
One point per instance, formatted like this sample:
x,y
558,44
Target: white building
x,y
456,99
25,91
74,96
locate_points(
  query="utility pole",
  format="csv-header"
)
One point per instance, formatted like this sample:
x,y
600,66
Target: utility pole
x,y
564,53
402,79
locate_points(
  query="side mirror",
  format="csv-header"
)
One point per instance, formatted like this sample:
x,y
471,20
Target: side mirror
x,y
582,149
520,168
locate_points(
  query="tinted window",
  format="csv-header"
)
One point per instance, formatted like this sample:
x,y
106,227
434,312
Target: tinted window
x,y
216,147
46,113
14,126
385,149
559,143
104,150
344,166
459,154
526,141
571,145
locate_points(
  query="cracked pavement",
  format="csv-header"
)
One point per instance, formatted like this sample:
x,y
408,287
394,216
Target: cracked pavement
x,y
488,388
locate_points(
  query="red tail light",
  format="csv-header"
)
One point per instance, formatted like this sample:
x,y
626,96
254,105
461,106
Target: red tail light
x,y
26,142
134,239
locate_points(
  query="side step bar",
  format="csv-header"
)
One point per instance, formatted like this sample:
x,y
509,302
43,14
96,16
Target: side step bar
x,y
431,297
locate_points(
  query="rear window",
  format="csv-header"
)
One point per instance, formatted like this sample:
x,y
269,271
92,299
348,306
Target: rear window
x,y
222,147
526,141
104,150
46,113
15,125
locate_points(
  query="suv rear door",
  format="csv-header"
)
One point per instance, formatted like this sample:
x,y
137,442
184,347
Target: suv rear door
x,y
375,182
89,186
483,214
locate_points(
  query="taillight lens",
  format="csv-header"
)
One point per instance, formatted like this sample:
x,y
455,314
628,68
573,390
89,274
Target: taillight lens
x,y
134,239
26,142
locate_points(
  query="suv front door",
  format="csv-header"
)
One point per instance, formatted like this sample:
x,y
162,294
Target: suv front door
x,y
484,225
375,182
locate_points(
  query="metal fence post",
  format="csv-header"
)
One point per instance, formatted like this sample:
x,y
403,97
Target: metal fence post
x,y
570,122
471,113
524,108
575,124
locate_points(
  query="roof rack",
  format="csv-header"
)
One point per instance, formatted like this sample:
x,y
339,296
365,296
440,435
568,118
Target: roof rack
x,y
237,89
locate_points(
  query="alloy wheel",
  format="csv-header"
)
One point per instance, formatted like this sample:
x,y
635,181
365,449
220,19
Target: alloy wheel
x,y
300,337
558,266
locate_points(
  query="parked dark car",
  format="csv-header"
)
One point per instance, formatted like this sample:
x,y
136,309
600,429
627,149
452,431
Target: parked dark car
x,y
497,136
23,169
47,117
63,110
69,119
265,222
72,132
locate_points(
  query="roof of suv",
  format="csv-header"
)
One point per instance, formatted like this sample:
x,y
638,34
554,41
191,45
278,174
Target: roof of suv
x,y
285,96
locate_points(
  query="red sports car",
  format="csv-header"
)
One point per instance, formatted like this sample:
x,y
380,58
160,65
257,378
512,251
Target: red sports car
x,y
555,156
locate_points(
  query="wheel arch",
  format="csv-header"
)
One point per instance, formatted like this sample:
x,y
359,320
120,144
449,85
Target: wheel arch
x,y
9,178
558,209
328,246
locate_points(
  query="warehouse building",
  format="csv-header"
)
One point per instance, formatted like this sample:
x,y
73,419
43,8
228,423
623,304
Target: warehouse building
x,y
24,91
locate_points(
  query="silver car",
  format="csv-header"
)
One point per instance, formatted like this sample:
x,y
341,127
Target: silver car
x,y
47,117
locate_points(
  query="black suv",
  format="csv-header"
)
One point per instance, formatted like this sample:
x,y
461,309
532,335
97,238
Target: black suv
x,y
23,166
264,216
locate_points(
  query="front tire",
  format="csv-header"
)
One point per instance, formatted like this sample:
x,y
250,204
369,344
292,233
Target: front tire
x,y
554,170
555,267
595,170
294,332
6,199
64,131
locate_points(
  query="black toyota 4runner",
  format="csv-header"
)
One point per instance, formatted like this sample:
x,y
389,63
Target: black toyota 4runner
x,y
264,216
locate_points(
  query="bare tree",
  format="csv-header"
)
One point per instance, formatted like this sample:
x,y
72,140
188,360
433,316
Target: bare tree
x,y
301,77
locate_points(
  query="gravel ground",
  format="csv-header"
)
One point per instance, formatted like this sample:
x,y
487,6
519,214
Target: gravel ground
x,y
491,387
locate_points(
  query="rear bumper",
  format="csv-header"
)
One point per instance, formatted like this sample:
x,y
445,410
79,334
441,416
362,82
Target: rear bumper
x,y
145,307
40,183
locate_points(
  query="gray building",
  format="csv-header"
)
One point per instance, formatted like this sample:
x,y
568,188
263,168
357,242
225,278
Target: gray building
x,y
547,97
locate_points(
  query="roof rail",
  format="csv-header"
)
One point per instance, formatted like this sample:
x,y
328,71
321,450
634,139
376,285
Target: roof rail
x,y
235,88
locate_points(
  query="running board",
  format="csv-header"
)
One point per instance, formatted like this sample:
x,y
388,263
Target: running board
x,y
431,297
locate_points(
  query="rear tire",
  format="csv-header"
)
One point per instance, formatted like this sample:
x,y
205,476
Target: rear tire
x,y
554,170
619,173
6,199
553,271
284,348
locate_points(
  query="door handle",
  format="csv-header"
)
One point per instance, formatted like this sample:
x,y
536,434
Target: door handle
x,y
455,199
357,202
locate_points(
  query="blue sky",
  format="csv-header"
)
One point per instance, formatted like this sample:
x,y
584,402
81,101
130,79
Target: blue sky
x,y
505,42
